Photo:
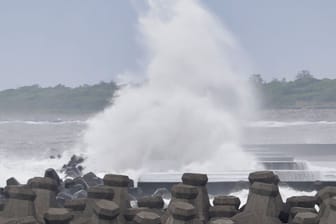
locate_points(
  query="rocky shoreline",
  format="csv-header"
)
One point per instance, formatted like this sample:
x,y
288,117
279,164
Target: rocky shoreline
x,y
90,199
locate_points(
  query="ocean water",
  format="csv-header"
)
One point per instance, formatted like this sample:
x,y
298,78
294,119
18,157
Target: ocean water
x,y
29,146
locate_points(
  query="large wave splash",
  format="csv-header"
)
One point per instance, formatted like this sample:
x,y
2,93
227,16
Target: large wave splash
x,y
188,114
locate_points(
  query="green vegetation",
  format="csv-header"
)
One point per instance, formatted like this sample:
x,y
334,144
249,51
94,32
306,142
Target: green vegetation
x,y
60,99
304,92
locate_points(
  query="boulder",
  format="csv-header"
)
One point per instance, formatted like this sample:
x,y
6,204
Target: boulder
x,y
52,174
12,181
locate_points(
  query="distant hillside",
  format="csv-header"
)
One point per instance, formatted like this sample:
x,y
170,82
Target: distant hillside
x,y
84,99
304,92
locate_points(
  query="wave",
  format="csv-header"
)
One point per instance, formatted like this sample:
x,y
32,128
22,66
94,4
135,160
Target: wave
x,y
279,124
51,122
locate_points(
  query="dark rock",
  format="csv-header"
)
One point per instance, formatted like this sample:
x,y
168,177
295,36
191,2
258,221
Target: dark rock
x,y
92,180
62,197
52,174
73,168
80,194
80,181
162,192
12,181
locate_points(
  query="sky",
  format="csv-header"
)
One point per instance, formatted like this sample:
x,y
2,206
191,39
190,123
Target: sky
x,y
76,42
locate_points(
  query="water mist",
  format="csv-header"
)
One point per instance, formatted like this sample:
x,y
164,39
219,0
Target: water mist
x,y
188,114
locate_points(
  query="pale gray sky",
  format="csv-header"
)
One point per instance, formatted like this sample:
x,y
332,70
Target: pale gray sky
x,y
86,41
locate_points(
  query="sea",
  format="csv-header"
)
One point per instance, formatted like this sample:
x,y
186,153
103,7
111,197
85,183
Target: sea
x,y
298,140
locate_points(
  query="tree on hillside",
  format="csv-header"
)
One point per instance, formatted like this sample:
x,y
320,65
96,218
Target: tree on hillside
x,y
256,79
304,75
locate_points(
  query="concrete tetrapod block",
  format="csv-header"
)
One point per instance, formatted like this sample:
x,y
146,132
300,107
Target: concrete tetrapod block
x,y
76,207
297,201
105,212
227,200
329,214
20,202
263,176
222,211
295,210
145,217
184,191
45,189
222,221
120,184
130,214
182,213
301,201
57,216
181,193
95,194
262,206
27,220
151,202
323,198
306,218
202,203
